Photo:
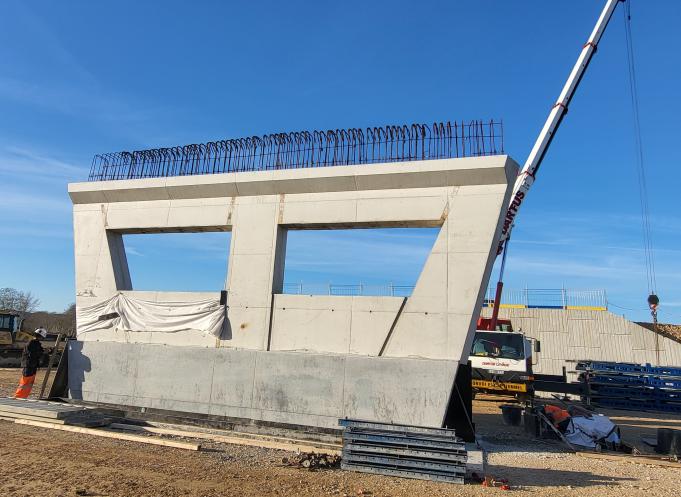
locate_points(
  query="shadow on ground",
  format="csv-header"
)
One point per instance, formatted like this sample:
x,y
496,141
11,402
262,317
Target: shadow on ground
x,y
542,477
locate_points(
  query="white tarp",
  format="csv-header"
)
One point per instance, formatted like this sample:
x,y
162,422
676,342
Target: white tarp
x,y
136,315
587,431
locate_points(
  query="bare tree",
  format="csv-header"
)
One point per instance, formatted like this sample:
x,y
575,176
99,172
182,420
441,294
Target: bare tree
x,y
18,301
53,322
7,298
70,316
27,303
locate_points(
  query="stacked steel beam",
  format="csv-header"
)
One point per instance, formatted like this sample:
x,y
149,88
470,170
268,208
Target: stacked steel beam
x,y
639,387
401,450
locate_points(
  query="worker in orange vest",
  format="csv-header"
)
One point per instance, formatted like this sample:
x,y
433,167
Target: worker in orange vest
x,y
30,360
560,417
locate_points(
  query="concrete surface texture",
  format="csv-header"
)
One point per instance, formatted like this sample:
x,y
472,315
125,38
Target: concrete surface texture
x,y
464,197
570,335
282,387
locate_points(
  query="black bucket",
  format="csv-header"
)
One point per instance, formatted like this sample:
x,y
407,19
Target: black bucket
x,y
668,441
676,444
512,415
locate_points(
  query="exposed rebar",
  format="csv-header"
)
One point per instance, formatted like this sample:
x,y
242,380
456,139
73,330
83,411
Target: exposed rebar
x,y
306,149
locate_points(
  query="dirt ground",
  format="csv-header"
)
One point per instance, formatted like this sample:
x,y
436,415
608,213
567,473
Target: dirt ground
x,y
43,462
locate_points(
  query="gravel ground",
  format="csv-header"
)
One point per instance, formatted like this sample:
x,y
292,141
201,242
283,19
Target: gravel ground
x,y
43,462
9,380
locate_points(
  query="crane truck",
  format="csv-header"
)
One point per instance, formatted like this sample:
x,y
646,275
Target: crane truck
x,y
501,359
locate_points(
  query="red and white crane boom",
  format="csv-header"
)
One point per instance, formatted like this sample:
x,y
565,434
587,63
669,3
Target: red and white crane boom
x,y
528,173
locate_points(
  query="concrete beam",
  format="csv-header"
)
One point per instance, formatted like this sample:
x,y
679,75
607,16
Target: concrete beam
x,y
400,175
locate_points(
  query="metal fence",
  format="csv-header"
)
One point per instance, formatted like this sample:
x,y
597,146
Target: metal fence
x,y
541,298
550,298
388,290
306,149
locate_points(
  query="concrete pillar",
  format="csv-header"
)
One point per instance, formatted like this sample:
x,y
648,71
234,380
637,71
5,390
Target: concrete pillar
x,y
256,271
100,260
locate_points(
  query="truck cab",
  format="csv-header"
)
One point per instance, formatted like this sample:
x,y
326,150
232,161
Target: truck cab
x,y
501,360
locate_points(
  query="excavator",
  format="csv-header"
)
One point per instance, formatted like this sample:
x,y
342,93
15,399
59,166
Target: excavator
x,y
13,339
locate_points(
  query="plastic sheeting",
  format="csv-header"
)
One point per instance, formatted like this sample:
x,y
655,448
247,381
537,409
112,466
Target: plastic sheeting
x,y
587,431
126,313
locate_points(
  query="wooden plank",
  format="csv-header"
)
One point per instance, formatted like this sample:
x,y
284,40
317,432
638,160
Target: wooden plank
x,y
632,459
110,434
268,444
50,365
59,385
255,436
673,426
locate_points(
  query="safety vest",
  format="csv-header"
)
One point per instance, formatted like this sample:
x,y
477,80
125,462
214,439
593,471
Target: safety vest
x,y
557,414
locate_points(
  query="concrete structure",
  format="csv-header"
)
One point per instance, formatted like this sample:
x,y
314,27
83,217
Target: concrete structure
x,y
570,335
298,359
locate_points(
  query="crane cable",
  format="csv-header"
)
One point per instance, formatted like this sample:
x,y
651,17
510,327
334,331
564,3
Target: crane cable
x,y
653,300
640,168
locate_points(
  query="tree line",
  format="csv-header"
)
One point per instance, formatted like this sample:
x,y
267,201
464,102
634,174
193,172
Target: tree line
x,y
25,304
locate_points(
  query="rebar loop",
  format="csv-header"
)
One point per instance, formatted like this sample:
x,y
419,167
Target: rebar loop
x,y
302,149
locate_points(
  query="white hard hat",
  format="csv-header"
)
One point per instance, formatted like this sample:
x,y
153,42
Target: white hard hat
x,y
42,332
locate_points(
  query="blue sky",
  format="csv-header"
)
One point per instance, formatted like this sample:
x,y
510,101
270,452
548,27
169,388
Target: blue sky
x,y
79,78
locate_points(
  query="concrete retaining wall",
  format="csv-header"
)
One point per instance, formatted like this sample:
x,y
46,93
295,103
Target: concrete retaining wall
x,y
286,387
251,370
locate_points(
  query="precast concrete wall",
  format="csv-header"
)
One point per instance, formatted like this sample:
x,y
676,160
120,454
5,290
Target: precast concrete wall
x,y
282,387
465,198
568,336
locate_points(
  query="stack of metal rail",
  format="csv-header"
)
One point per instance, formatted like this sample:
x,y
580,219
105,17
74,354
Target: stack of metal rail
x,y
639,387
401,450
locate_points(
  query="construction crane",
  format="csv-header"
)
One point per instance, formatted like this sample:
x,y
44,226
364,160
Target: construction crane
x,y
528,173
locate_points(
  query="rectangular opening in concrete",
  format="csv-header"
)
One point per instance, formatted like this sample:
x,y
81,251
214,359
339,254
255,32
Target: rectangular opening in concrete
x,y
188,262
372,261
